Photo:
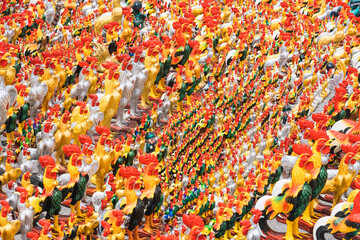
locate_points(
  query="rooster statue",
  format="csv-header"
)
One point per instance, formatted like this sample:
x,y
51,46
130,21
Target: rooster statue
x,y
8,229
293,199
151,194
51,197
348,223
141,74
196,224
77,181
343,132
345,173
62,137
134,207
104,155
115,16
110,101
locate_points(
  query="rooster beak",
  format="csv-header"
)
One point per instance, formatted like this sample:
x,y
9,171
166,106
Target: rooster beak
x,y
328,143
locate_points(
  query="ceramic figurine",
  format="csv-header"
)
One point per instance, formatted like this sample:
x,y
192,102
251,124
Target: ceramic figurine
x,y
80,90
303,167
26,212
46,139
348,167
141,74
151,194
104,155
115,16
62,136
8,96
127,81
153,67
7,72
37,91
110,101
76,179
327,224
134,208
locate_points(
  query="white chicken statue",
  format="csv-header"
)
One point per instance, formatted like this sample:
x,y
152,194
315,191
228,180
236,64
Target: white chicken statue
x,y
127,80
141,75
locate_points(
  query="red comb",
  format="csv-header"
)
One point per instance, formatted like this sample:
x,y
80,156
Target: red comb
x,y
102,130
46,161
148,158
193,220
69,150
85,139
127,172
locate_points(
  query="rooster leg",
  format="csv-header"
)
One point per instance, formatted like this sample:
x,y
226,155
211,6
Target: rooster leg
x,y
336,199
153,92
180,106
289,233
57,156
79,214
130,235
56,223
147,227
21,127
162,86
72,208
63,158
152,224
296,228
312,207
136,233
188,100
306,215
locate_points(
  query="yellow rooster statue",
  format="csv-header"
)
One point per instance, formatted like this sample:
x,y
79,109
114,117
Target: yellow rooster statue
x,y
115,16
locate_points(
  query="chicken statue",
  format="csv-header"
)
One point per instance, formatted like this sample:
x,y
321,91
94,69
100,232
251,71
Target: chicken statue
x,y
37,91
294,197
115,16
10,173
51,197
26,212
132,207
52,82
110,101
153,66
151,194
104,155
45,139
80,90
8,95
197,226
8,229
141,74
345,174
127,80
77,181
348,223
62,137
7,72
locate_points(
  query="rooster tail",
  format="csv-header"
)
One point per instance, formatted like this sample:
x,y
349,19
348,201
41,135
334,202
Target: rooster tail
x,y
321,227
276,205
101,53
264,226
